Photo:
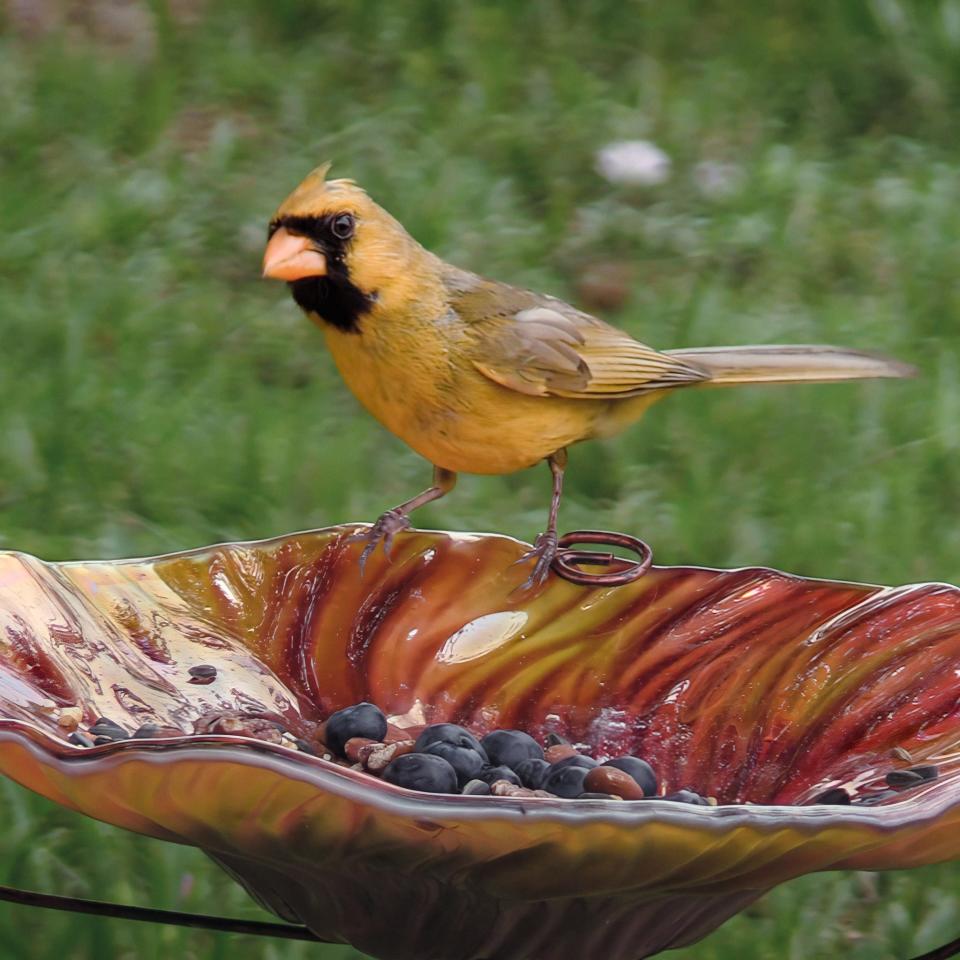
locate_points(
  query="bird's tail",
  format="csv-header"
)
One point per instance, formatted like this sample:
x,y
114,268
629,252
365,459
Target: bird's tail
x,y
789,364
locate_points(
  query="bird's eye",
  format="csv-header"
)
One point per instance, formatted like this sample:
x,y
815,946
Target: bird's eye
x,y
342,226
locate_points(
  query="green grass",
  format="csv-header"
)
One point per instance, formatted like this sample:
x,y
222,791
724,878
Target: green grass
x,y
157,395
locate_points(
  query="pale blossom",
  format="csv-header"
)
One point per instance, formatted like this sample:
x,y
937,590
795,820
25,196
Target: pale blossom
x,y
633,162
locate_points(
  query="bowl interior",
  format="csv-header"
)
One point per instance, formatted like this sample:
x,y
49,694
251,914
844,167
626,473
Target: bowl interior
x,y
747,685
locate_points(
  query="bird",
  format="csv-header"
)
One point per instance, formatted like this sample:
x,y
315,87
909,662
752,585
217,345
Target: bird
x,y
481,377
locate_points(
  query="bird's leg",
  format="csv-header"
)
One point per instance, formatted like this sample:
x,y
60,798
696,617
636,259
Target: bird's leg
x,y
397,519
545,547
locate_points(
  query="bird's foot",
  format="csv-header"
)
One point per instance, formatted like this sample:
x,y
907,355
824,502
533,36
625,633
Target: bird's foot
x,y
384,530
544,550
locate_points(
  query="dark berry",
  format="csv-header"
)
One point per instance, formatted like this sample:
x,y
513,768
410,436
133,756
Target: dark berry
x,y
927,773
640,770
449,733
360,720
79,739
531,772
466,762
555,740
146,731
588,795
476,788
687,796
565,781
837,795
109,730
578,760
493,774
510,747
421,771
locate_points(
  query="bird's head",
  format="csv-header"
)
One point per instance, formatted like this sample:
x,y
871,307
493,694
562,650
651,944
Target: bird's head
x,y
342,255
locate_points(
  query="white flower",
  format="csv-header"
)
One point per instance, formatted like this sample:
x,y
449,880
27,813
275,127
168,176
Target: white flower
x,y
634,162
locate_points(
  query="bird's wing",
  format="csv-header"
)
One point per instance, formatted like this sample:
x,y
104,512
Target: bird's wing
x,y
547,348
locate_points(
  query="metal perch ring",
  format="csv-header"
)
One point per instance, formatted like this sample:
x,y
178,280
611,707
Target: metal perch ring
x,y
564,563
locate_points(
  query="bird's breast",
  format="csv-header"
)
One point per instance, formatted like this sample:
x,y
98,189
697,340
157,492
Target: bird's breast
x,y
431,396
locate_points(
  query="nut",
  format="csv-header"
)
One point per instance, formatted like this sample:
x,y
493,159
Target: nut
x,y
559,751
611,780
70,717
354,746
375,757
504,788
395,733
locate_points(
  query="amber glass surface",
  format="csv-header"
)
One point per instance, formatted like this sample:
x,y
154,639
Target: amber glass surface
x,y
751,686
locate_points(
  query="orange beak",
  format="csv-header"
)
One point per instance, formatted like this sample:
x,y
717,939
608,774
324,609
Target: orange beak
x,y
289,257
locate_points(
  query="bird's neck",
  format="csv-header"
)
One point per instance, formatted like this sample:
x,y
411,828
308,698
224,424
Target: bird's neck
x,y
335,300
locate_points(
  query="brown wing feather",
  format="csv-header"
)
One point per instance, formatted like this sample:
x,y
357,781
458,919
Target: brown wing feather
x,y
544,347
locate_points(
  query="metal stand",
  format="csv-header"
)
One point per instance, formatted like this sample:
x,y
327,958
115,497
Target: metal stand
x,y
98,908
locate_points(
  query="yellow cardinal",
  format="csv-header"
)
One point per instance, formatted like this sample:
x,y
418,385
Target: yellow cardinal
x,y
478,376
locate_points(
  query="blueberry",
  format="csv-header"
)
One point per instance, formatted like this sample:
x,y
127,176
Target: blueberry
x,y
476,788
640,770
492,774
105,730
837,795
466,763
531,772
421,771
449,733
360,720
80,739
577,760
687,796
555,740
565,781
510,747
107,721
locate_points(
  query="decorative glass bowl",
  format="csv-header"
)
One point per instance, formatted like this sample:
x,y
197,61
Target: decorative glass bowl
x,y
760,689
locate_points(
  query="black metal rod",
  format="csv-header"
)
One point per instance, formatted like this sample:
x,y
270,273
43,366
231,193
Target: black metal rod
x,y
120,911
950,949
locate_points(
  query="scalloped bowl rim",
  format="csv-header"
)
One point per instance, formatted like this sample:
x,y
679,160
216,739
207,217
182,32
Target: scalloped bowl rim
x,y
460,535
356,785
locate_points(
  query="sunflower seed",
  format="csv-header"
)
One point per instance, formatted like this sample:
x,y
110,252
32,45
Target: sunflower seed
x,y
904,778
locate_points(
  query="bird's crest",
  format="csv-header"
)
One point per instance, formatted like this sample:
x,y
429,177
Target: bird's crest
x,y
315,193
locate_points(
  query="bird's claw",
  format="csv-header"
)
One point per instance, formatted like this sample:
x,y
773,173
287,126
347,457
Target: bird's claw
x,y
384,530
544,550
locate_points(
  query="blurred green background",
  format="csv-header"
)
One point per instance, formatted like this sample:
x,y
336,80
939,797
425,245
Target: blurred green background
x,y
157,395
